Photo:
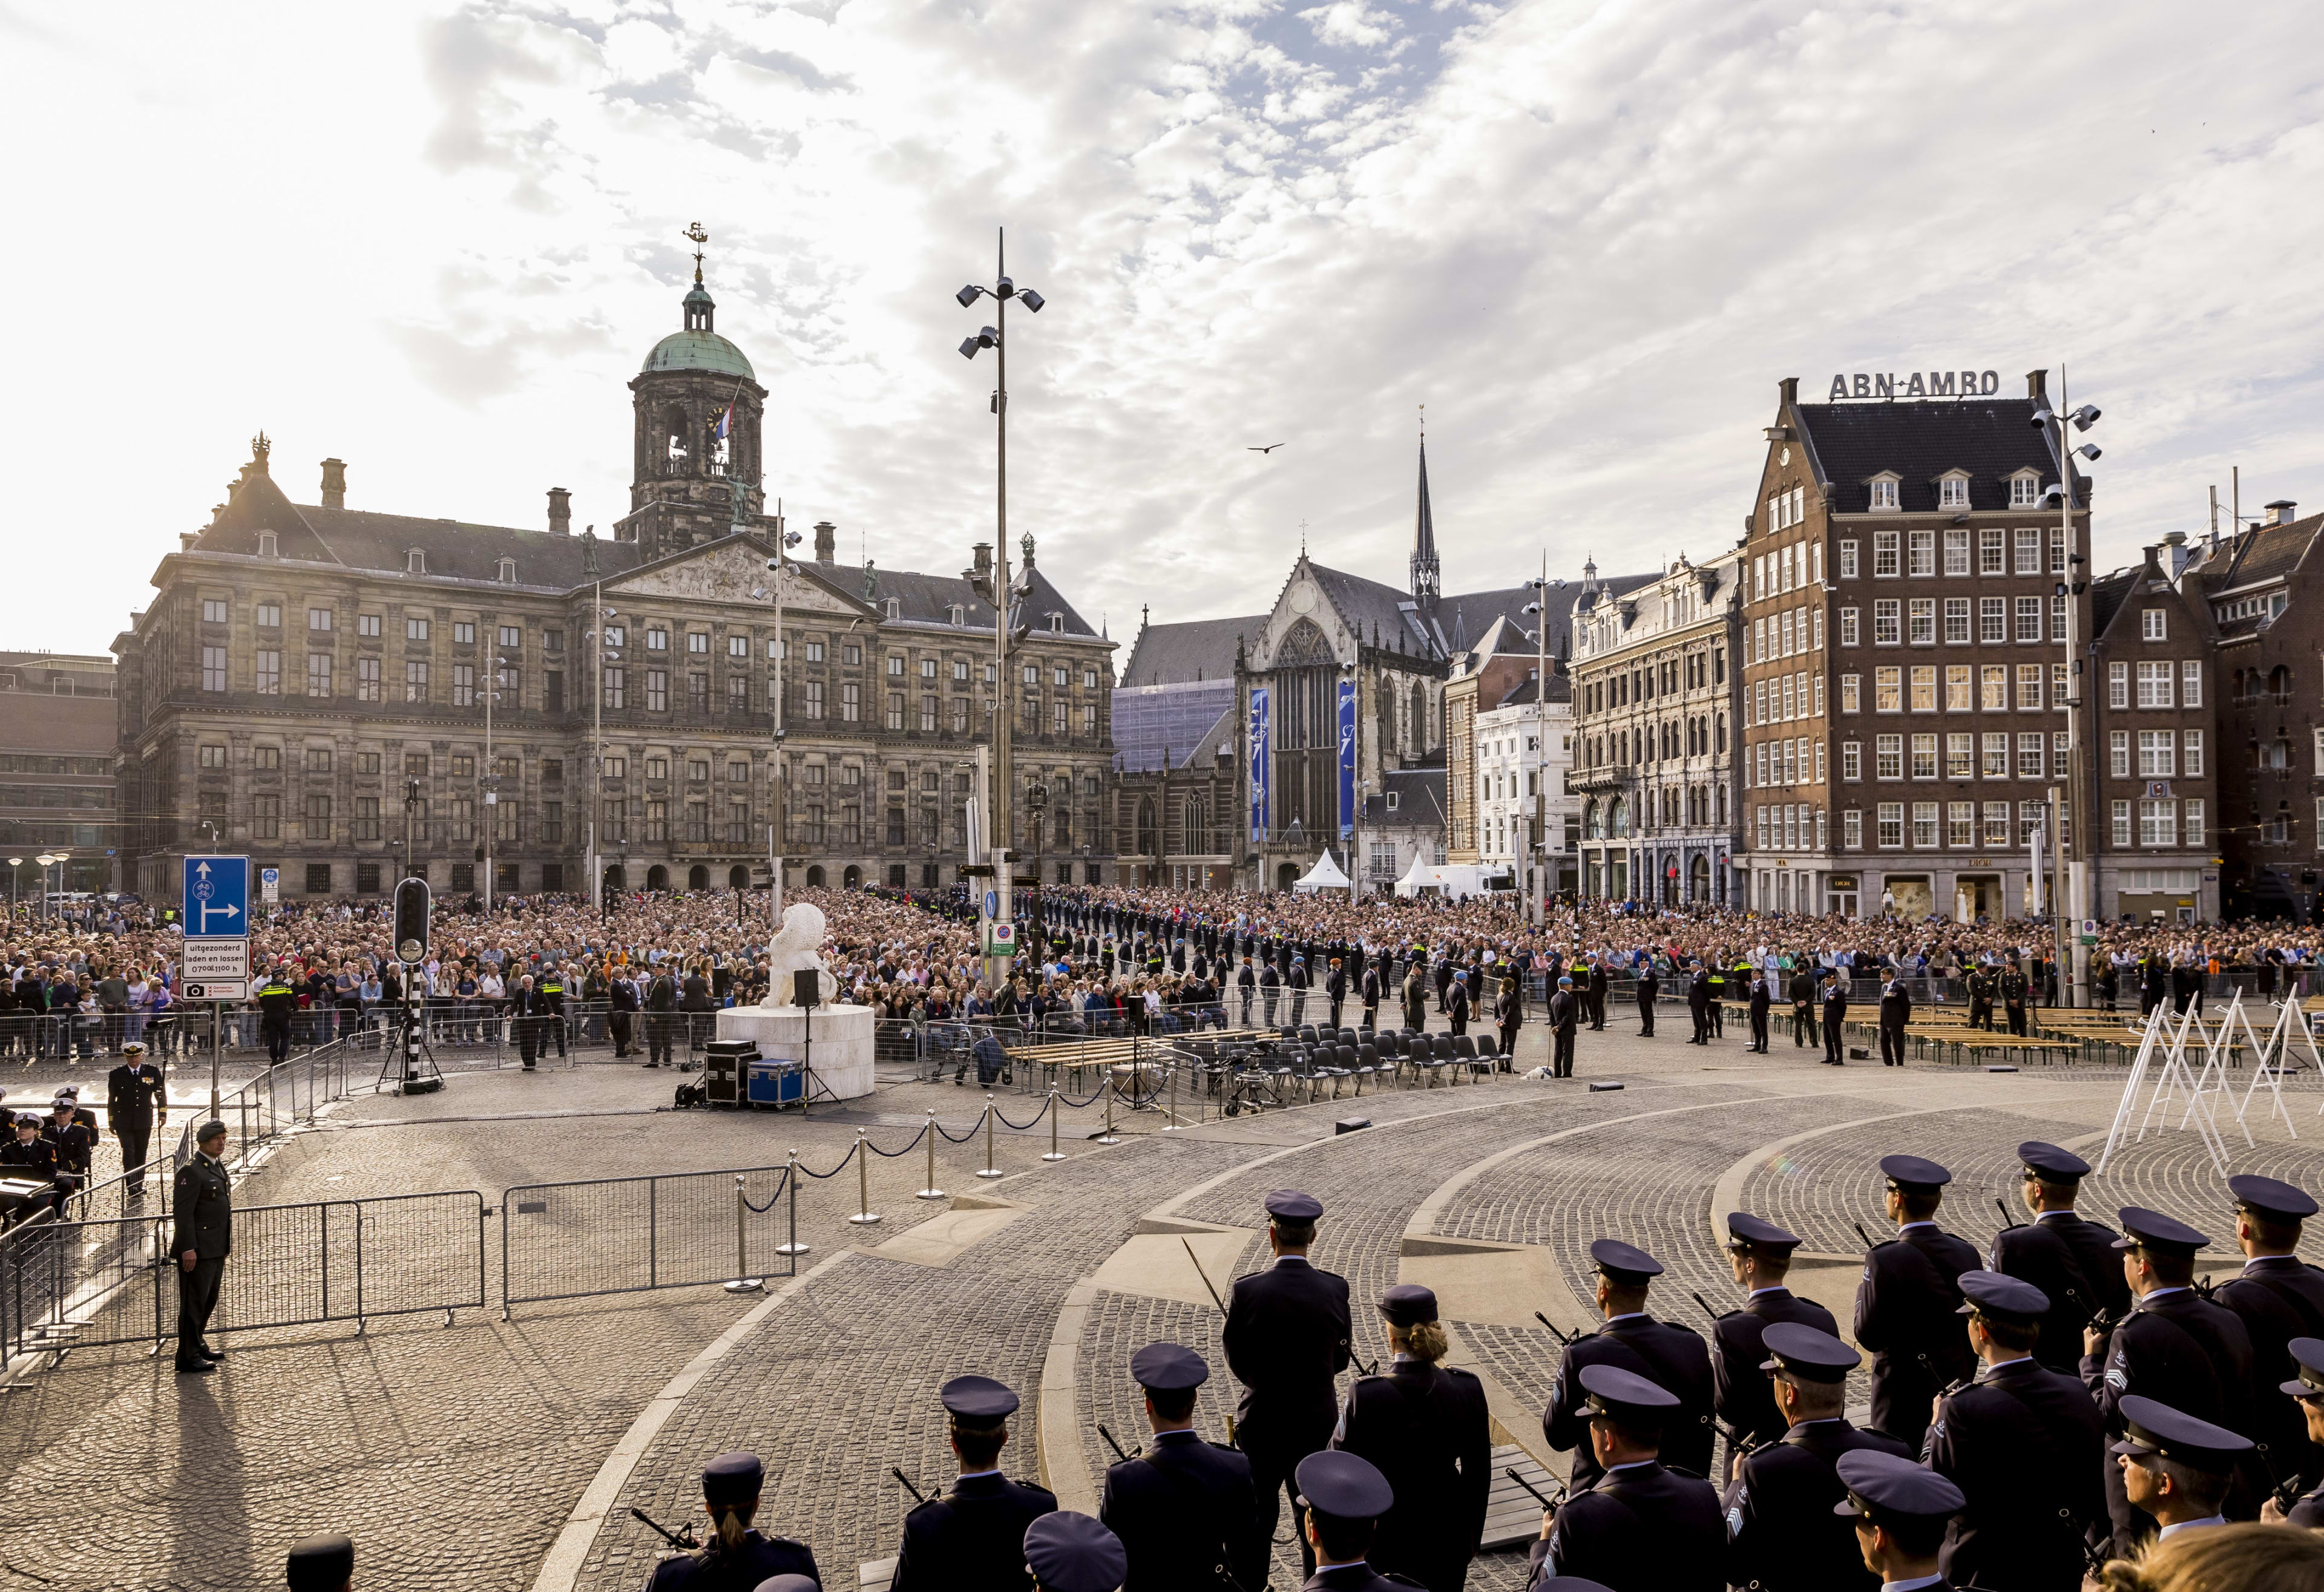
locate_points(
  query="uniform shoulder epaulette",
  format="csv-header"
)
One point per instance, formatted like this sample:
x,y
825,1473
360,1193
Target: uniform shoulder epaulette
x,y
1457,1371
924,1505
1683,1470
1394,1580
1035,1486
1884,1243
783,1541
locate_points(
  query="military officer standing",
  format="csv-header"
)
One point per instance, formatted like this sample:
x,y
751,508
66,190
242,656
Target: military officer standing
x,y
1565,1019
1672,1358
2279,1298
1980,997
2024,1445
1184,1510
2015,990
1761,1000
2175,1468
1640,1526
1760,1255
1698,1003
2306,1391
1597,994
1802,992
1286,1337
2053,1181
1782,1536
972,1539
736,1556
1900,1512
1895,1012
1650,987
201,1237
1426,1426
1341,1498
1068,1551
1905,1304
2175,1347
136,1101
2039,1254
1835,1013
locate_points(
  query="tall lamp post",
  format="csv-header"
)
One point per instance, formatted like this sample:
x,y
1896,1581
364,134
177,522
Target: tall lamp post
x,y
995,337
2053,425
13,864
595,636
491,781
48,860
778,566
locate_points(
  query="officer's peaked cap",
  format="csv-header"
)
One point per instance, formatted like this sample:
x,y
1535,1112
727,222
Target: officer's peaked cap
x,y
1914,1175
978,1401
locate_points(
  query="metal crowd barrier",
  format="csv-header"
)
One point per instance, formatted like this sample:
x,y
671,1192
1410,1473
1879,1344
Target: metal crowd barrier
x,y
622,1235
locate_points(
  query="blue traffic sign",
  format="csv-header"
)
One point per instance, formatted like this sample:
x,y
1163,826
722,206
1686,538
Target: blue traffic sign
x,y
217,898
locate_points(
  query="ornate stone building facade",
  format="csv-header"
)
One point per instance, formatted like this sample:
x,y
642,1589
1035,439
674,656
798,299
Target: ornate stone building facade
x,y
310,686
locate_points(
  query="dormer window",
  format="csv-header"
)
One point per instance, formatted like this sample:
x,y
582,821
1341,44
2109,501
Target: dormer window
x,y
1952,491
1391,801
2024,489
508,572
1883,494
415,562
266,545
1057,624
894,608
959,614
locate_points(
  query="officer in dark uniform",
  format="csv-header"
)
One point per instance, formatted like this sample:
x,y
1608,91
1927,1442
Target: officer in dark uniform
x,y
972,1539
2052,1181
1905,1305
2175,1346
1341,1498
320,1564
1900,1512
2024,1445
1760,1254
135,1100
1641,1526
2177,1470
661,1009
1981,987
1782,1536
1895,1011
2038,1253
1673,1357
1370,993
1068,1552
1564,1019
1717,1002
1287,1338
1650,987
27,1157
1761,1000
1698,1003
1184,1509
737,1558
277,1001
2279,1298
1270,986
2306,1391
622,1001
1802,992
2014,987
1597,993
1835,1013
1427,1427
202,1237
548,1008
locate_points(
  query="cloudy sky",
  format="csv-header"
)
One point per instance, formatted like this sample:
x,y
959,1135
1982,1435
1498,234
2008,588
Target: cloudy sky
x,y
435,241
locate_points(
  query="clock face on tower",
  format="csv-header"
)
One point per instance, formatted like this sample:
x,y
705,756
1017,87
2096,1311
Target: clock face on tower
x,y
1303,598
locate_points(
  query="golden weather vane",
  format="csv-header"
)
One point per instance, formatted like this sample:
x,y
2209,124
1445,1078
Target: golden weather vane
x,y
694,230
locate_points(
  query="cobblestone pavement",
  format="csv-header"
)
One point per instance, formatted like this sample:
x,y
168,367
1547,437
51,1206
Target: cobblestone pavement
x,y
454,1454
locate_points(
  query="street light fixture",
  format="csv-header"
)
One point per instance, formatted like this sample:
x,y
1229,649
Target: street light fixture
x,y
2052,425
778,567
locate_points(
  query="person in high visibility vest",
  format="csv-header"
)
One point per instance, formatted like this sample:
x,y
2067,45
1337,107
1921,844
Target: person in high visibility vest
x,y
277,1000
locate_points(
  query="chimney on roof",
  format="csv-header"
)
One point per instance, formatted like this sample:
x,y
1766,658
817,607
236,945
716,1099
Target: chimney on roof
x,y
1787,392
334,484
826,541
187,538
2037,387
2279,513
561,511
2176,556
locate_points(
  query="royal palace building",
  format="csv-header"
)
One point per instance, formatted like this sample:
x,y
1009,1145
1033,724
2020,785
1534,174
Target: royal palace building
x,y
311,681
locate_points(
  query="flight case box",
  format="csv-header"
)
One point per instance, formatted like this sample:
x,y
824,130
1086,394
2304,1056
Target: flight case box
x,y
775,1082
722,1069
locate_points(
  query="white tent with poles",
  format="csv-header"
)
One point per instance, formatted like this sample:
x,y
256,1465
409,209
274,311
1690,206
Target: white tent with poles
x,y
1325,875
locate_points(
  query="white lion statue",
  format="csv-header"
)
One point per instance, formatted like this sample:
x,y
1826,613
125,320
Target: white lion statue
x,y
795,950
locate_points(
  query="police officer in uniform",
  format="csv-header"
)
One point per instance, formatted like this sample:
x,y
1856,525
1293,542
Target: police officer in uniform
x,y
2052,1182
1184,1509
202,1237
1905,1304
1340,1498
1835,1013
1287,1338
277,1000
1640,1526
2279,1298
1762,999
661,1009
2038,1253
1672,1358
1698,1003
1782,1536
2176,1469
1895,1011
2024,1445
1650,986
2306,1390
320,1564
1900,1512
973,1538
1068,1551
1427,1427
1564,1019
736,1558
2014,987
1760,1255
2175,1347
135,1100
1597,993
1803,993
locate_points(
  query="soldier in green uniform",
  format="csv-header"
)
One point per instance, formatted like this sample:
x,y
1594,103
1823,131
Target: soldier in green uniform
x,y
1981,987
203,1208
2014,987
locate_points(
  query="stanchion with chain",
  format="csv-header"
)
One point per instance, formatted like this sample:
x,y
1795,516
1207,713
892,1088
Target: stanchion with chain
x,y
1055,1153
1173,1125
864,1214
1106,1137
990,1169
791,1178
931,1192
743,1282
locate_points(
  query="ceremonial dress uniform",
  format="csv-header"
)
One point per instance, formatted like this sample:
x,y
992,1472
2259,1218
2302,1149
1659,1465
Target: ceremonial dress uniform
x,y
973,1538
202,1225
1072,1552
1895,1012
1762,999
1346,1488
1835,1014
1905,1308
1426,1429
729,1482
1671,1357
1565,1019
136,1101
2037,1255
1698,1005
2279,1297
1740,1392
1183,1510
1642,1526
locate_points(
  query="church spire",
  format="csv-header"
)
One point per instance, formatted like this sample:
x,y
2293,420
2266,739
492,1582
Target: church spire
x,y
1426,584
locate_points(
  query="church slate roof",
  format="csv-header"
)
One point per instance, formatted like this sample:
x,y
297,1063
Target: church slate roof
x,y
1196,649
1988,438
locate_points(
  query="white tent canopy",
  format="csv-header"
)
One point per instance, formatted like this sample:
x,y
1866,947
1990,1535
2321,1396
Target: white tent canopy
x,y
1454,879
1325,875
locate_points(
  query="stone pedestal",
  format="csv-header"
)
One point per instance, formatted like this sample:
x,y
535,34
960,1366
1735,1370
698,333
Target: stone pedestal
x,y
841,1056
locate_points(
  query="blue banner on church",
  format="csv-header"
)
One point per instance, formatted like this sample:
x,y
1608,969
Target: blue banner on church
x,y
1259,765
1347,758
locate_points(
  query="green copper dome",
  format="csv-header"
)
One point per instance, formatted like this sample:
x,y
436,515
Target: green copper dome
x,y
698,351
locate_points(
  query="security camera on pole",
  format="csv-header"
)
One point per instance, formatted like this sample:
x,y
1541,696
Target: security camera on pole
x,y
1000,931
2072,858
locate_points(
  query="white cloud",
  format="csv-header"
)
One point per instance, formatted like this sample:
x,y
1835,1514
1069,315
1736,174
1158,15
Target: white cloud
x,y
1590,236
